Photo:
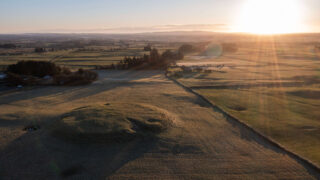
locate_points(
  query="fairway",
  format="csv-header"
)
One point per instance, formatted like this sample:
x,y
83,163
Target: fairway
x,y
201,144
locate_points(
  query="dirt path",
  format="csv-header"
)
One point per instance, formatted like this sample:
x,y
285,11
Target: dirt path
x,y
202,145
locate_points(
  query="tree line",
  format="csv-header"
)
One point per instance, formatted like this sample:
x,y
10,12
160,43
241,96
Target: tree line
x,y
154,60
8,46
29,73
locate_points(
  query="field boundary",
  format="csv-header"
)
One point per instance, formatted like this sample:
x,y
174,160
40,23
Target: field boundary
x,y
241,123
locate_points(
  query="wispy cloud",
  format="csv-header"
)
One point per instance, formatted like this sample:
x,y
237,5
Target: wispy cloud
x,y
140,29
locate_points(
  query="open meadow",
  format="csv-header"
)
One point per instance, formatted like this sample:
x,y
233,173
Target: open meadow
x,y
86,54
141,124
269,84
160,90
201,143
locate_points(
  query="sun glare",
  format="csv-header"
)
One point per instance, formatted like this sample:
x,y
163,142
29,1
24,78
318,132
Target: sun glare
x,y
270,17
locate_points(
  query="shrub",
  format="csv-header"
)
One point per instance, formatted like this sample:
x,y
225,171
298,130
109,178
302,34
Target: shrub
x,y
81,77
172,56
155,61
154,55
177,75
8,46
34,68
40,50
147,48
33,73
15,80
186,48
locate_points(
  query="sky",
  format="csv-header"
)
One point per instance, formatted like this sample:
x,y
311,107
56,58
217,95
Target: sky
x,y
132,16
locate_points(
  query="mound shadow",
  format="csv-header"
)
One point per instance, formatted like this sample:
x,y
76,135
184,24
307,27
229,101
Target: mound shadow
x,y
40,155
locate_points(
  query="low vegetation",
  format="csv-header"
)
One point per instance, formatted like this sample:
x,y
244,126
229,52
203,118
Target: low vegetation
x,y
273,87
183,71
46,73
40,50
80,77
156,60
153,61
110,123
192,48
147,48
8,46
36,68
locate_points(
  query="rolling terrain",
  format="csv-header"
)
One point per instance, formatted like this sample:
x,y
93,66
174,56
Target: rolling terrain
x,y
201,144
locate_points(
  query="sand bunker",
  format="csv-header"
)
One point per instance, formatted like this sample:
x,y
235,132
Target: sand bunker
x,y
116,122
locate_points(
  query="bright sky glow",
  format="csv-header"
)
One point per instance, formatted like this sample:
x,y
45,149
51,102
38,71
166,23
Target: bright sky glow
x,y
132,16
271,16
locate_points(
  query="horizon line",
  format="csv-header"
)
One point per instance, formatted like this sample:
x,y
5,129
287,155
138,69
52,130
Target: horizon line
x,y
154,32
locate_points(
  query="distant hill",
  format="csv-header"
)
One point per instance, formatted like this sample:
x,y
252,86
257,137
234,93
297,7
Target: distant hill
x,y
174,36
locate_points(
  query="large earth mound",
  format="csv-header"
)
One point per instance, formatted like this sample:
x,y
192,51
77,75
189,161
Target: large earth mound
x,y
116,122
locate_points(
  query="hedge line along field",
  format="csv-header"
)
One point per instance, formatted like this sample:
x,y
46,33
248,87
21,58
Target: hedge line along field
x,y
270,85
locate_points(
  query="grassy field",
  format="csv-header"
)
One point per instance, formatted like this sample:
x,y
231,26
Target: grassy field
x,y
72,58
272,86
87,57
199,143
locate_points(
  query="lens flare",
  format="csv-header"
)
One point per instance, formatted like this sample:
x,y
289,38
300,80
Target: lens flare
x,y
270,17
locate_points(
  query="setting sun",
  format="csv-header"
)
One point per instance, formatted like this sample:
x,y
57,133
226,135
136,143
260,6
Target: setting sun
x,y
270,17
159,89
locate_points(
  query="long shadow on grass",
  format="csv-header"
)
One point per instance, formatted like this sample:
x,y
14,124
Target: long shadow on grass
x,y
108,80
36,155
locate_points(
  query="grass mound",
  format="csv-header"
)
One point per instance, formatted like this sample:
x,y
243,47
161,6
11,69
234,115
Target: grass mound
x,y
117,122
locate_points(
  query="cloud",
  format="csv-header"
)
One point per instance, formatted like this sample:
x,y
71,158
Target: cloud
x,y
194,27
140,29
